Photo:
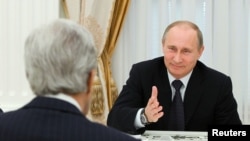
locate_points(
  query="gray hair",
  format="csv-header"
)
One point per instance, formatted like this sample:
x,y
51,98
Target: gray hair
x,y
59,58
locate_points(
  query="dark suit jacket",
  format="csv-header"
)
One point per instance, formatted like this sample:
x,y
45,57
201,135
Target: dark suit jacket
x,y
49,119
208,98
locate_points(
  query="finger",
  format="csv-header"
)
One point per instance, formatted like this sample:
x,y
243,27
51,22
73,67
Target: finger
x,y
156,114
153,96
154,92
152,102
157,110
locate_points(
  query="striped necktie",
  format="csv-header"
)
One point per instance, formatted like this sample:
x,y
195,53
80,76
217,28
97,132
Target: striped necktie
x,y
176,115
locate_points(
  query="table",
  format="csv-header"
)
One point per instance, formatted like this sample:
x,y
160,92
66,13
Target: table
x,y
173,136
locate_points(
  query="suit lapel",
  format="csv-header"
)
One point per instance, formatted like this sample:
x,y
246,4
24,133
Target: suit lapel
x,y
193,93
164,89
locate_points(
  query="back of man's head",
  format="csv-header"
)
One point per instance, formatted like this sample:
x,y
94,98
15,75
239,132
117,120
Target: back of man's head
x,y
59,57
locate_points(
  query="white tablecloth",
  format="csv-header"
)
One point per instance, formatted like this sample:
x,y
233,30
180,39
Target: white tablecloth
x,y
172,136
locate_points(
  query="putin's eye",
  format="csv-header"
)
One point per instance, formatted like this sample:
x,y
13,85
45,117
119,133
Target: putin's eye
x,y
186,51
171,48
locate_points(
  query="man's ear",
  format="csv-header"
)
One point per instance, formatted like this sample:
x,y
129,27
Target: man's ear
x,y
201,51
90,81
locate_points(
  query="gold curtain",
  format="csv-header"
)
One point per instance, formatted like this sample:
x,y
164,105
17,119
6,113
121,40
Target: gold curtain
x,y
104,20
119,13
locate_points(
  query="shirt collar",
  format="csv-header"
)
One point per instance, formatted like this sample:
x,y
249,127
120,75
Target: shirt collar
x,y
66,98
184,79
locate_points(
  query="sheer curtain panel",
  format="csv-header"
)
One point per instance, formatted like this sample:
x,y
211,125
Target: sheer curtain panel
x,y
18,18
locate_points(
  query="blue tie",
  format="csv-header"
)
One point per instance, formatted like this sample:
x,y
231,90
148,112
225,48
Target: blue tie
x,y
176,115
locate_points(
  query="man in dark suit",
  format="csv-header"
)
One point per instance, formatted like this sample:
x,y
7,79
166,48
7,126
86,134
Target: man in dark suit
x,y
145,101
60,63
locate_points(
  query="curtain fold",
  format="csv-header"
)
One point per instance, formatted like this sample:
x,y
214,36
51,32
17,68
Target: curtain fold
x,y
72,9
104,20
119,13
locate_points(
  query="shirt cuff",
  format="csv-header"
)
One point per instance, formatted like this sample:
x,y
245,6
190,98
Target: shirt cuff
x,y
138,124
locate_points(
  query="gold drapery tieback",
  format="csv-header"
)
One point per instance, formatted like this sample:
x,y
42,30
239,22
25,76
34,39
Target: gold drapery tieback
x,y
97,101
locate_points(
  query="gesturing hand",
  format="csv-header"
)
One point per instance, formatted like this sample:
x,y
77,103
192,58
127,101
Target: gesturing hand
x,y
153,110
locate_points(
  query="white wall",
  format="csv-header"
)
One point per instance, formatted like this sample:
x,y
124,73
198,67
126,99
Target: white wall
x,y
17,19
